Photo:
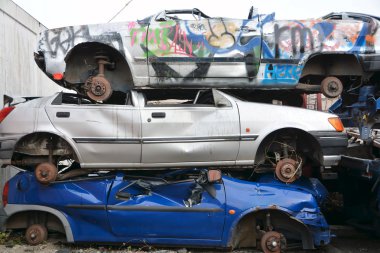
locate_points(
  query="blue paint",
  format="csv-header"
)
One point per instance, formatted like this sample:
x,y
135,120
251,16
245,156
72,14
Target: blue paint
x,y
361,113
281,74
361,40
325,29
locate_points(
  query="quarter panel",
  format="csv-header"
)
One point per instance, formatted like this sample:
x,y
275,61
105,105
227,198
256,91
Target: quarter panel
x,y
263,119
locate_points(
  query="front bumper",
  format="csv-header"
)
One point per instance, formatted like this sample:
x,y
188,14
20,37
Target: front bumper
x,y
333,145
317,226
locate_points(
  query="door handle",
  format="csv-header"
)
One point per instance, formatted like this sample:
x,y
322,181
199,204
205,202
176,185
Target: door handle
x,y
63,114
246,29
159,115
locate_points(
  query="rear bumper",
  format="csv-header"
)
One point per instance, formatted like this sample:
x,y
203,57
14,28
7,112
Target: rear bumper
x,y
333,145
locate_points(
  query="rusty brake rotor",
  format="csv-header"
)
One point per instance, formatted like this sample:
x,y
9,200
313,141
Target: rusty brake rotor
x,y
98,87
46,173
286,170
273,242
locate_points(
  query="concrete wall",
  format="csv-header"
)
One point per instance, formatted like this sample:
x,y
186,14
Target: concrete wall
x,y
19,74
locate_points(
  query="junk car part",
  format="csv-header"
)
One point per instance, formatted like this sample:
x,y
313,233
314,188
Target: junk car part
x,y
36,234
273,242
46,173
331,87
98,88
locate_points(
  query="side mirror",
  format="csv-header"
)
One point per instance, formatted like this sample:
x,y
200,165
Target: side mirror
x,y
214,176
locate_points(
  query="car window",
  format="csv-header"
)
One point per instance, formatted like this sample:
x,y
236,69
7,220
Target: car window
x,y
186,14
193,98
117,98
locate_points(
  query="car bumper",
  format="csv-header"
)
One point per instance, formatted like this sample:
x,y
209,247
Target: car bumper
x,y
317,226
333,145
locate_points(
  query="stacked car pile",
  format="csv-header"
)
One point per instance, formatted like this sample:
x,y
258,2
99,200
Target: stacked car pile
x,y
184,163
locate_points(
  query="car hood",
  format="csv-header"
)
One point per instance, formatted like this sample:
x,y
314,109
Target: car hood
x,y
285,116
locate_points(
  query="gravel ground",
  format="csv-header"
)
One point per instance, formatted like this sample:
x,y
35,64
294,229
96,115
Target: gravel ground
x,y
348,240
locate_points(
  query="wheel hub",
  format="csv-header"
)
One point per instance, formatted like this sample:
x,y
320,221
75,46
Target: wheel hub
x,y
36,234
331,87
273,242
98,88
46,173
286,170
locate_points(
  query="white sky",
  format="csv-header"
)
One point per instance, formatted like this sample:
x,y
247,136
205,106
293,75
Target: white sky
x,y
54,13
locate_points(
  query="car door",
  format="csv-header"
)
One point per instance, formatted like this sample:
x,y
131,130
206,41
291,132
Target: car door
x,y
203,47
137,210
106,135
206,132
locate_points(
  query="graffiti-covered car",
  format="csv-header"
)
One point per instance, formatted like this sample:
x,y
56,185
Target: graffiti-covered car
x,y
187,48
211,128
181,208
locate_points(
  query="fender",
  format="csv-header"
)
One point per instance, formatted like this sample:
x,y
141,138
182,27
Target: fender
x,y
307,238
11,209
60,135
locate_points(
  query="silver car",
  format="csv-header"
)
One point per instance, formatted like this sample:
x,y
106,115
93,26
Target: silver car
x,y
68,133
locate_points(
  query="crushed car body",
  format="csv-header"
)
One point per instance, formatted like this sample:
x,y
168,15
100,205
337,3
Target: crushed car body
x,y
209,128
187,48
184,208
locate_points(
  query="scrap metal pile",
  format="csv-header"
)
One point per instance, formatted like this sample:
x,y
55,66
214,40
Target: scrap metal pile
x,y
173,137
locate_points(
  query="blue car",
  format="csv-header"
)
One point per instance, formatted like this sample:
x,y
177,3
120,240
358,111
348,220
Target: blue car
x,y
191,208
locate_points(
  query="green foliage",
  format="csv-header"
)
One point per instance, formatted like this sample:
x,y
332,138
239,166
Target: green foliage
x,y
4,237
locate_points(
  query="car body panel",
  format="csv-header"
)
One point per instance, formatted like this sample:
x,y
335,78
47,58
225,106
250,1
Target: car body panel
x,y
191,133
158,212
143,214
259,52
98,129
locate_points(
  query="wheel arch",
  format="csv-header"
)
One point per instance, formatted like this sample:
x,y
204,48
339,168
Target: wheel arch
x,y
331,64
310,142
80,62
243,232
43,135
21,216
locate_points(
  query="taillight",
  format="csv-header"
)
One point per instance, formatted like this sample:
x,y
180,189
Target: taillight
x,y
5,194
5,111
